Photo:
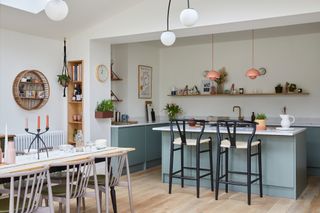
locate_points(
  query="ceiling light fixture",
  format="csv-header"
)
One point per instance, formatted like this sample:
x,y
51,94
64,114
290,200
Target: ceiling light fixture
x,y
188,17
213,74
253,73
56,10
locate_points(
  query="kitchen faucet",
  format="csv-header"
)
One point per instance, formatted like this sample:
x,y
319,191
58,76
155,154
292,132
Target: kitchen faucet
x,y
239,110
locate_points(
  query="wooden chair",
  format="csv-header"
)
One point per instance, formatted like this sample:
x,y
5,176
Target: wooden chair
x,y
77,176
232,142
25,191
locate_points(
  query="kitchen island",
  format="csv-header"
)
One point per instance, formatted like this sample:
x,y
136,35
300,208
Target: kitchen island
x,y
284,160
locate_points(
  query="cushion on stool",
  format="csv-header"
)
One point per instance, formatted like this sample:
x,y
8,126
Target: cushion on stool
x,y
190,142
239,144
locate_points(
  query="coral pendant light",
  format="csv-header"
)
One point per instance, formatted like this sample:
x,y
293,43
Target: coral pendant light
x,y
213,74
252,73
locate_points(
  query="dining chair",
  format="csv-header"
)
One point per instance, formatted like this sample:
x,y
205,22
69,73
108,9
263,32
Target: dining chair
x,y
26,197
114,165
77,176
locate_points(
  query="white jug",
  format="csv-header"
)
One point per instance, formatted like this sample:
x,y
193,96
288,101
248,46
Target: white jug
x,y
285,121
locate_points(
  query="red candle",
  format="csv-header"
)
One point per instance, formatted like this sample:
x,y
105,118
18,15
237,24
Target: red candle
x,y
38,122
47,121
26,123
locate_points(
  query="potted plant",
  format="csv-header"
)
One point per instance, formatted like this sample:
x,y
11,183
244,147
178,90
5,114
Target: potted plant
x,y
279,88
173,110
64,80
104,109
261,121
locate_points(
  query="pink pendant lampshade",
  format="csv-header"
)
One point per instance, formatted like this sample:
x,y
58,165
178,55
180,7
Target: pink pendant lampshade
x,y
252,73
213,75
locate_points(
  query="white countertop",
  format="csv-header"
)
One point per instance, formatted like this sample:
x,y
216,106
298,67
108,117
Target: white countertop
x,y
242,130
141,122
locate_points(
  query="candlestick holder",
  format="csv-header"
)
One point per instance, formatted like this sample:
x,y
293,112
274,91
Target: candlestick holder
x,y
37,138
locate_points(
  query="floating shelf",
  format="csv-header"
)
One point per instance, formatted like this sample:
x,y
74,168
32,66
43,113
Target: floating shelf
x,y
246,94
75,122
75,102
117,100
116,79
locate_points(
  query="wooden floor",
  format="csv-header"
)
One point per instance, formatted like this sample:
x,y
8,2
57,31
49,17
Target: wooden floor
x,y
151,195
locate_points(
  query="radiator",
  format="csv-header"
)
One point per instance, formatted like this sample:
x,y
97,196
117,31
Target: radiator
x,y
51,138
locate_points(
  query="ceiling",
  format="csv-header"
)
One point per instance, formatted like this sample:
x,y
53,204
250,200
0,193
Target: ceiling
x,y
82,14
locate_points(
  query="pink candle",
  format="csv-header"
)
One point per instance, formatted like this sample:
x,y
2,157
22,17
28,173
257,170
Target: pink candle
x,y
26,123
47,121
38,122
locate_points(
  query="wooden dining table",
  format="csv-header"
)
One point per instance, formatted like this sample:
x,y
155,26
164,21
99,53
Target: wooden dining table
x,y
30,161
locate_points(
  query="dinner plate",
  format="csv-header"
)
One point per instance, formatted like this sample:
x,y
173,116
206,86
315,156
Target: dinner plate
x,y
284,129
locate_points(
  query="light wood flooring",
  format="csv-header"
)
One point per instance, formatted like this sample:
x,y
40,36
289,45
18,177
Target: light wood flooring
x,y
151,195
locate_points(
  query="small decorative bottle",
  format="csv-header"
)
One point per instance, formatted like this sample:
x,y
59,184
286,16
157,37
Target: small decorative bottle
x,y
253,117
153,116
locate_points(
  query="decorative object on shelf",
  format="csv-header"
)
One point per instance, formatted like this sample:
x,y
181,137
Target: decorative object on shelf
x,y
213,74
114,76
102,73
241,91
64,78
278,88
78,138
188,17
194,90
220,81
144,82
292,87
149,107
104,109
261,121
31,89
174,91
253,73
285,121
56,10
186,90
37,136
299,90
206,86
173,110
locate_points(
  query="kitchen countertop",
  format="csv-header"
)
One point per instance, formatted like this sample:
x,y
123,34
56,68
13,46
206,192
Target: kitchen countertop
x,y
141,122
242,130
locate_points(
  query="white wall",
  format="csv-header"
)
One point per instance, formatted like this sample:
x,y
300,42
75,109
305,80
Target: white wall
x,y
20,52
289,54
126,60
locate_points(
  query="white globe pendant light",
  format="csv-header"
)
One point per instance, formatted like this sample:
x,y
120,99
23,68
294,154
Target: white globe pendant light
x,y
168,38
189,17
56,10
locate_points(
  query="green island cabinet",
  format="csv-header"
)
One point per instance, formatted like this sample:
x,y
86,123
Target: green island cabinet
x,y
313,150
146,142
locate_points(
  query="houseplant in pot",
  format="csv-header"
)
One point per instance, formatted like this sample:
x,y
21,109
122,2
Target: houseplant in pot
x,y
173,110
261,121
104,109
278,88
64,80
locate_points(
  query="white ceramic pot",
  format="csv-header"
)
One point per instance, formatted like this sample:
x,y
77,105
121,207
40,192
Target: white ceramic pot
x,y
285,120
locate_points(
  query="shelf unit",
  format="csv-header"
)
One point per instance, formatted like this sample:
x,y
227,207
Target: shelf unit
x,y
75,70
246,94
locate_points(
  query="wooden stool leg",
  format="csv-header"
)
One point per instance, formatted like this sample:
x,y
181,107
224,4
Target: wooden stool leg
x,y
217,172
227,168
211,164
182,165
198,169
249,175
171,167
260,169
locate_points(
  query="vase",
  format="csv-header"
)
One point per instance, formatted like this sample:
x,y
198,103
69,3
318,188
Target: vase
x,y
10,155
261,124
220,88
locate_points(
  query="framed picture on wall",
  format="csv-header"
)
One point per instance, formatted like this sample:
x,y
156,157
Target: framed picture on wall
x,y
144,82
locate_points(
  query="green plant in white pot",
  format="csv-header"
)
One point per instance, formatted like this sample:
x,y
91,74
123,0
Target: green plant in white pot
x,y
261,121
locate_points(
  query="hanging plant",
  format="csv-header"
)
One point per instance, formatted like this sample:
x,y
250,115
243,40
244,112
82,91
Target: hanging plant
x,y
64,78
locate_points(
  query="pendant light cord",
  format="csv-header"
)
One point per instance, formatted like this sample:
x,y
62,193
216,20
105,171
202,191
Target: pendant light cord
x,y
168,14
252,48
212,53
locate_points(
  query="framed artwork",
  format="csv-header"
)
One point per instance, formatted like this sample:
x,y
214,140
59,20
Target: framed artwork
x,y
206,86
144,82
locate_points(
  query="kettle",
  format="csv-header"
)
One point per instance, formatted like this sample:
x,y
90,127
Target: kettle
x,y
285,120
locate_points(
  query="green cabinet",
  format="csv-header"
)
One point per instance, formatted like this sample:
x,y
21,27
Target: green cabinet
x,y
313,150
146,142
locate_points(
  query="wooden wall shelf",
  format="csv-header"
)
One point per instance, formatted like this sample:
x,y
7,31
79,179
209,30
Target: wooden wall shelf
x,y
246,94
31,89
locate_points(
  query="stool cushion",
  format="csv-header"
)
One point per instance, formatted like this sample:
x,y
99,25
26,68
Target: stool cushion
x,y
5,203
101,180
239,144
190,142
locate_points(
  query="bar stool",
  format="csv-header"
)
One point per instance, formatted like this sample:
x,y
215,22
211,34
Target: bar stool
x,y
182,141
231,142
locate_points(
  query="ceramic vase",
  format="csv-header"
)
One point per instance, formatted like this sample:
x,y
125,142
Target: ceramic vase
x,y
11,153
261,124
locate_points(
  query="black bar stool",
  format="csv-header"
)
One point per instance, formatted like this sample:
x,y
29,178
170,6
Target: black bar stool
x,y
231,142
181,142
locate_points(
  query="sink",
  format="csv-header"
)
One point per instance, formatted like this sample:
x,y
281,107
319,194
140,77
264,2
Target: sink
x,y
118,123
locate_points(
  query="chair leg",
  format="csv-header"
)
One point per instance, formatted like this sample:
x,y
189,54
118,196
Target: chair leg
x,y
260,170
249,175
113,199
84,203
211,166
171,167
227,168
182,165
60,207
217,172
100,198
198,169
78,204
